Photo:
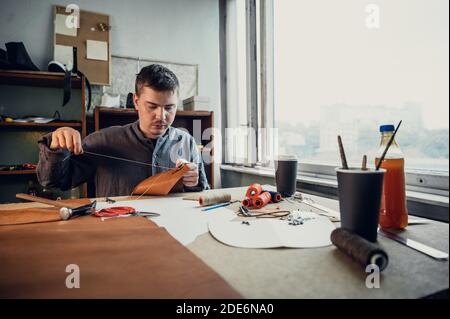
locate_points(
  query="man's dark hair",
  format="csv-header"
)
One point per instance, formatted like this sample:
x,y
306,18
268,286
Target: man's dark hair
x,y
157,77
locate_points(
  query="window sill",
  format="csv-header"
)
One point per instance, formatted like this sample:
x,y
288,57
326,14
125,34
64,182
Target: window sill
x,y
331,183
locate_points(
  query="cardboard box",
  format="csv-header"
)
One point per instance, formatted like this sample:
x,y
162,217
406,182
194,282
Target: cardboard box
x,y
195,103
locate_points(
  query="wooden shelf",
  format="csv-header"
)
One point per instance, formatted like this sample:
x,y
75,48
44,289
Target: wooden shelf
x,y
120,111
37,78
19,172
50,124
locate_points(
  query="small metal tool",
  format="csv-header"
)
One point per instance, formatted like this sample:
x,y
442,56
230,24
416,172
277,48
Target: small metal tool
x,y
424,249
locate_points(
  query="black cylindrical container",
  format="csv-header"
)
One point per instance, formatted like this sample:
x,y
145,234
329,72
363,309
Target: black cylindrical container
x,y
359,200
286,175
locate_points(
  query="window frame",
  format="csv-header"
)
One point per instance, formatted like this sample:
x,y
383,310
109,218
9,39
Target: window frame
x,y
435,183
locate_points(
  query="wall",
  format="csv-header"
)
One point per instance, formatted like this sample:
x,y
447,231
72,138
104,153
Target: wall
x,y
176,30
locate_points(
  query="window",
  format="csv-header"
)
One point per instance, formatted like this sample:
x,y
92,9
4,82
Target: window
x,y
301,72
346,67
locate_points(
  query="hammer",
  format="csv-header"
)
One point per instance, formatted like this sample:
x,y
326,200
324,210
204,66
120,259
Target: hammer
x,y
66,210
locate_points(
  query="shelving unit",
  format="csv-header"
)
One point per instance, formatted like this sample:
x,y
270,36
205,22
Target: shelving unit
x,y
37,78
105,117
19,172
51,124
30,93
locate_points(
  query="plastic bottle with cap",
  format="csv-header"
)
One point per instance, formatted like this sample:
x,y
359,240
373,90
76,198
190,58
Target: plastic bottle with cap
x,y
393,211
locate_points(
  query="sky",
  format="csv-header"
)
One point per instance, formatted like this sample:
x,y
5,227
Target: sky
x,y
325,54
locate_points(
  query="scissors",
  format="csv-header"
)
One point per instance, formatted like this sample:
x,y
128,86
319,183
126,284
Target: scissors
x,y
145,214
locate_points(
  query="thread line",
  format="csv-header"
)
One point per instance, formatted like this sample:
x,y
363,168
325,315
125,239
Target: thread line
x,y
119,159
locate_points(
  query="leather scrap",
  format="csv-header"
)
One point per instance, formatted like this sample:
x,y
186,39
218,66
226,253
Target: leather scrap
x,y
36,214
162,183
29,216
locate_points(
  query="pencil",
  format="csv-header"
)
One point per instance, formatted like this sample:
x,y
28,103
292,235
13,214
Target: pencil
x,y
342,152
216,206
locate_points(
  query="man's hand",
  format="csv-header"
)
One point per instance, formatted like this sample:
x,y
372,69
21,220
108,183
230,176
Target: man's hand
x,y
67,138
190,179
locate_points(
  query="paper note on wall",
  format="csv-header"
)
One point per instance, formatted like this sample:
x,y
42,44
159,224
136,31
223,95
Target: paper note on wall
x,y
61,27
97,50
64,55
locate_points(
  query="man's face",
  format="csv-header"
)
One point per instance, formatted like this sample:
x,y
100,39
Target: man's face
x,y
156,110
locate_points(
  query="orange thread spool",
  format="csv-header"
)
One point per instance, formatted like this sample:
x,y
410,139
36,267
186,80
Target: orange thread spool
x,y
262,200
253,191
247,202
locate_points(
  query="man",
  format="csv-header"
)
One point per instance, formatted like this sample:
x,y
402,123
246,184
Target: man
x,y
66,162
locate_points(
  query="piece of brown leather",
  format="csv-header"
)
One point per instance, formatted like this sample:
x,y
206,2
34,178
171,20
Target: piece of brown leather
x,y
37,215
31,215
118,258
162,183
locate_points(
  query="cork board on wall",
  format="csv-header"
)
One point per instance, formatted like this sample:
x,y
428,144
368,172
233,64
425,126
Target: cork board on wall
x,y
96,68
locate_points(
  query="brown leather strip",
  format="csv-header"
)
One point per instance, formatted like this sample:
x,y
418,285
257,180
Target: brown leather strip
x,y
18,216
118,258
28,216
42,200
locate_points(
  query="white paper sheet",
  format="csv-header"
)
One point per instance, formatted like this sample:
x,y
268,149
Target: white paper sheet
x,y
64,54
97,50
272,232
183,219
34,119
61,27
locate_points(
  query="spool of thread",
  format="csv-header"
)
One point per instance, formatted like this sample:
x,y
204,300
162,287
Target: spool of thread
x,y
247,202
275,196
253,191
262,200
210,199
359,249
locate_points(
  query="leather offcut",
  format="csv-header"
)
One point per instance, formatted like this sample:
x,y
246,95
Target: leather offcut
x,y
37,215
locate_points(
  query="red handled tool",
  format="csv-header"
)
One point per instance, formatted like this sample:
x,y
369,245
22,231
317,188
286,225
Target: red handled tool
x,y
122,211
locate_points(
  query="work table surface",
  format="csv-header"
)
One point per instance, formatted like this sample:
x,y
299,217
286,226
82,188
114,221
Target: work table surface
x,y
324,272
327,272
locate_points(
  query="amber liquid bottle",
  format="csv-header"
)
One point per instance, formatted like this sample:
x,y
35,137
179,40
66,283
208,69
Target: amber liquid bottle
x,y
393,211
